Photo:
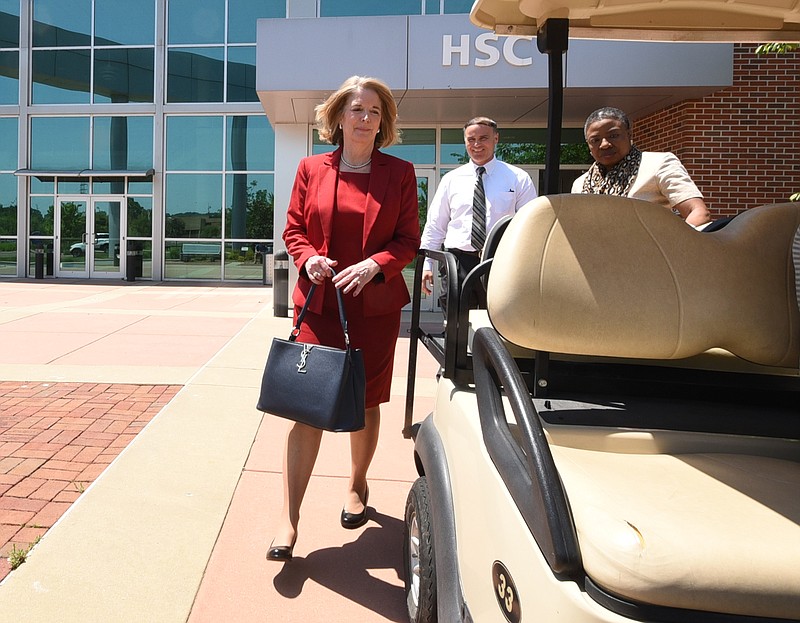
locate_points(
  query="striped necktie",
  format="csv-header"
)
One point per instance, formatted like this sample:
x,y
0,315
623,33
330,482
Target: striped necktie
x,y
479,212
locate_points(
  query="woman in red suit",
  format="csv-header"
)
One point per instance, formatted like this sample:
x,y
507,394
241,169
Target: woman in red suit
x,y
354,210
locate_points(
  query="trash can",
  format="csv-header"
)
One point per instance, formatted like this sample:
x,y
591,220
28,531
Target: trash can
x,y
133,265
280,284
39,263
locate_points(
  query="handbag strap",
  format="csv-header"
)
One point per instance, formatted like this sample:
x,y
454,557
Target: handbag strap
x,y
342,317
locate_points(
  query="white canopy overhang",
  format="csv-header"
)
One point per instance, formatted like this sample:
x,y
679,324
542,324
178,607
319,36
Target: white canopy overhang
x,y
651,20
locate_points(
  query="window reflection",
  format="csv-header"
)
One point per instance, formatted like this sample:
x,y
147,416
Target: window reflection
x,y
60,76
250,143
452,150
74,19
338,8
41,216
457,6
195,75
192,260
9,78
242,18
141,187
42,185
249,205
140,216
418,146
434,7
196,21
8,204
108,185
242,74
124,23
60,143
194,143
73,186
193,206
9,24
122,143
123,75
8,258
8,145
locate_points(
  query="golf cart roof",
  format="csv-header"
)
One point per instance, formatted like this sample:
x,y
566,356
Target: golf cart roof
x,y
655,20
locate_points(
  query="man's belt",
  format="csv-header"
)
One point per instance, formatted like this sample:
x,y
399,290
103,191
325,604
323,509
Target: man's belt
x,y
458,252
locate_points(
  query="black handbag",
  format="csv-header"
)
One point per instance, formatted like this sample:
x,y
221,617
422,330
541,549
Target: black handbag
x,y
321,386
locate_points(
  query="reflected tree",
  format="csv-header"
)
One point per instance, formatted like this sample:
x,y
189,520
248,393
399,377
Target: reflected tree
x,y
8,219
260,212
42,224
140,219
73,221
422,201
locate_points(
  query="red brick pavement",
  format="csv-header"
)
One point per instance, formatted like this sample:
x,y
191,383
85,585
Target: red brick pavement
x,y
55,439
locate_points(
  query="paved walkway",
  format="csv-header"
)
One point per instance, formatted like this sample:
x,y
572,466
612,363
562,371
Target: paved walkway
x,y
176,526
55,440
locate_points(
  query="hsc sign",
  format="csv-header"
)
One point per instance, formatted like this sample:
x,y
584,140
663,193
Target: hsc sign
x,y
488,48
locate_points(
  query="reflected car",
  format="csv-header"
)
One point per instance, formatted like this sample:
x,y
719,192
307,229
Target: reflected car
x,y
79,248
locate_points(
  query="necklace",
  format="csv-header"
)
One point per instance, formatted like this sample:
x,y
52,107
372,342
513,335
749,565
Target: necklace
x,y
356,166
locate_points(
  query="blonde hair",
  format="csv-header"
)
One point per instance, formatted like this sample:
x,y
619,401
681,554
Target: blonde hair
x,y
329,113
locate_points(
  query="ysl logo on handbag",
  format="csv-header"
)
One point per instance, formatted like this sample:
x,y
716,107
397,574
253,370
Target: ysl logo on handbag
x,y
301,367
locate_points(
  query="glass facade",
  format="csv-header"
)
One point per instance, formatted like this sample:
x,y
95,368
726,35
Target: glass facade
x,y
9,52
8,197
125,145
219,196
342,8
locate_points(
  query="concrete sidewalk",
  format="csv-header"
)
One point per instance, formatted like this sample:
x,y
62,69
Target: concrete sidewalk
x,y
176,527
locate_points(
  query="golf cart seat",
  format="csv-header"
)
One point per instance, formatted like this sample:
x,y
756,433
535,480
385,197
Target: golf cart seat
x,y
674,506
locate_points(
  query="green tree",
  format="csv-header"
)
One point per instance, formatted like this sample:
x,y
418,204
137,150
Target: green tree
x,y
777,48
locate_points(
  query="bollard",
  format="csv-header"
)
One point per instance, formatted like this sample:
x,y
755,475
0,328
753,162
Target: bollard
x,y
280,285
39,264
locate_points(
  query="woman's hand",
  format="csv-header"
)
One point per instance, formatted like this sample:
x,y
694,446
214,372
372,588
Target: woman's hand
x,y
318,268
355,277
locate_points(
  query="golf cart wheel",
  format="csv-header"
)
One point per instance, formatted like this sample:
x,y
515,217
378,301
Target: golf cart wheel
x,y
418,557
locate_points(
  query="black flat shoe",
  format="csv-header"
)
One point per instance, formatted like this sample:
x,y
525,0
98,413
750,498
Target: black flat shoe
x,y
351,521
281,553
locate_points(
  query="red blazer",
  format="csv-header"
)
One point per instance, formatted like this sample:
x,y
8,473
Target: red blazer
x,y
391,233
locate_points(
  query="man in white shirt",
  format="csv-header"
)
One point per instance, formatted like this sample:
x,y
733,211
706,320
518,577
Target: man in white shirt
x,y
450,216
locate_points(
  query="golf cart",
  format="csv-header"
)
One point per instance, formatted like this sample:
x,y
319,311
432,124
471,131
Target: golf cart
x,y
616,436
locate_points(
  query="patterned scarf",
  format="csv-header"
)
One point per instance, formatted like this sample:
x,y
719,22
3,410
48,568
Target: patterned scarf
x,y
614,181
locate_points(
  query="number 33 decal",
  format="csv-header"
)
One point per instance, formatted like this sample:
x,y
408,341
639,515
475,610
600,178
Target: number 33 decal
x,y
506,593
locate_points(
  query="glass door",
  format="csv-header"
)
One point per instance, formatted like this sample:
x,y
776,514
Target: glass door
x,y
426,186
72,237
104,254
89,237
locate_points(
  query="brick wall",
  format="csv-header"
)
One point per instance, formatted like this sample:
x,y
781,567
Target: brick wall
x,y
741,145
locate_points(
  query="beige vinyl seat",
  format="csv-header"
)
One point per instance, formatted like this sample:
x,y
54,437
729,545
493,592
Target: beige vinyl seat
x,y
666,517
